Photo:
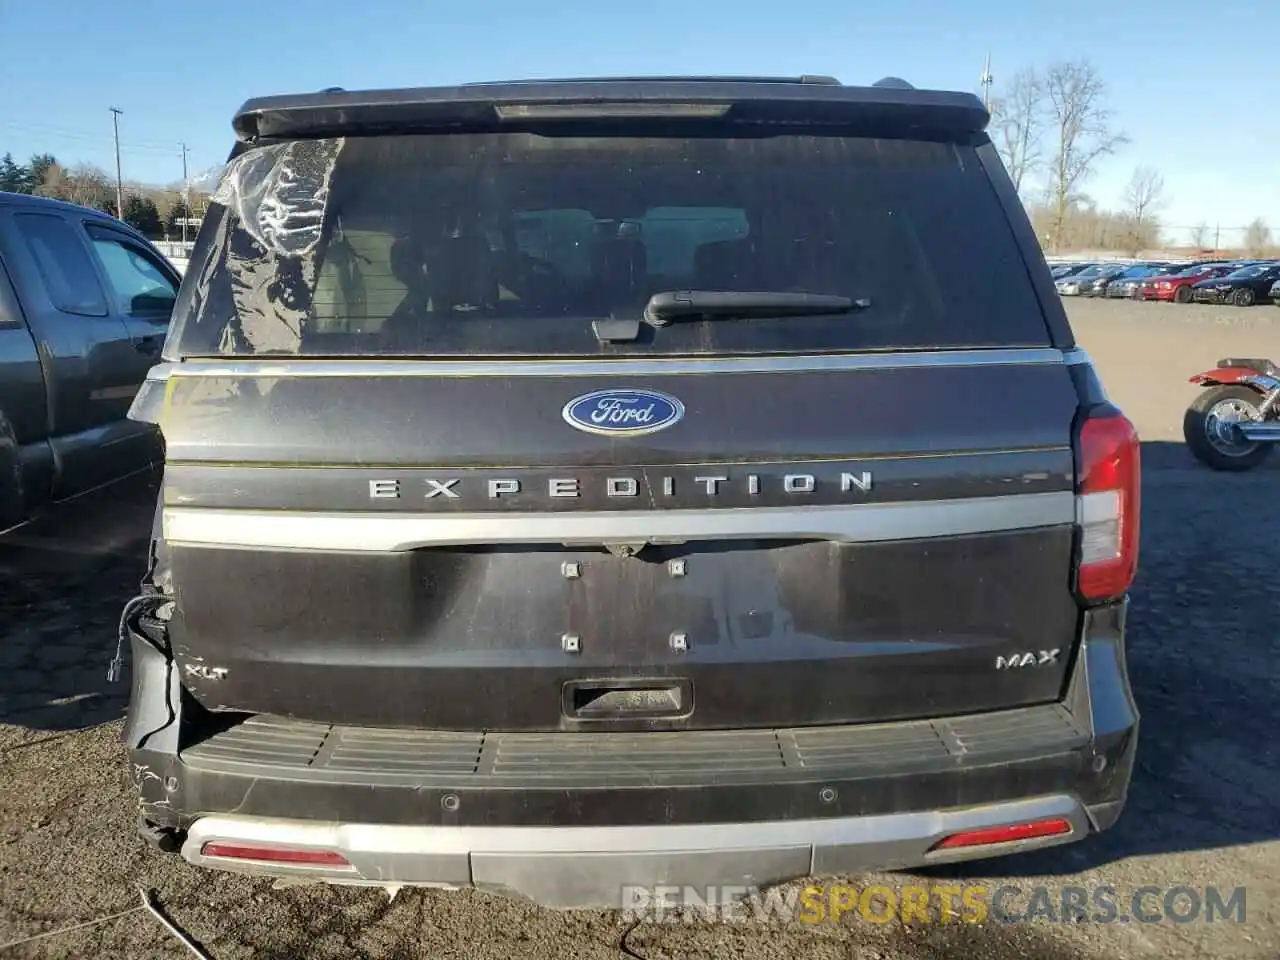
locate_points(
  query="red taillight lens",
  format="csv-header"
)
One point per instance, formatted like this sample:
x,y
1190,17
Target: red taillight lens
x,y
1108,507
294,855
1031,830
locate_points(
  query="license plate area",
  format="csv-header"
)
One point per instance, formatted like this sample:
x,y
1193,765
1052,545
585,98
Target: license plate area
x,y
672,604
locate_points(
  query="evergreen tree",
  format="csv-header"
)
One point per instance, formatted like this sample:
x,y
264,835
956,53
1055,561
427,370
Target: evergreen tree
x,y
141,214
14,178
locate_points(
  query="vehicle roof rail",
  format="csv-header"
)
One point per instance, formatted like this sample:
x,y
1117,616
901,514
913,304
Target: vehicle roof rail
x,y
893,83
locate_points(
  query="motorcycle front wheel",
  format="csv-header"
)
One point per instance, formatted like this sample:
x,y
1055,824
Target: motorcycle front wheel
x,y
1210,431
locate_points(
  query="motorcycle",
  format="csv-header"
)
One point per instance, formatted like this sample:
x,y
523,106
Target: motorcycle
x,y
1234,422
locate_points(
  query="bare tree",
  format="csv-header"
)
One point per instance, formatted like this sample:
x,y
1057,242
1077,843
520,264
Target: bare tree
x,y
1145,193
1257,237
82,184
89,187
1082,132
1200,235
52,181
1089,227
1142,198
1017,123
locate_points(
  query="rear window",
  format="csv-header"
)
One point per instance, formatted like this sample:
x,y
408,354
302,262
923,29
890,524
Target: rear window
x,y
512,243
63,263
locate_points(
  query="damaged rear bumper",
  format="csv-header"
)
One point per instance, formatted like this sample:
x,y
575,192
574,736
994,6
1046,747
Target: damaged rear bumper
x,y
572,819
571,866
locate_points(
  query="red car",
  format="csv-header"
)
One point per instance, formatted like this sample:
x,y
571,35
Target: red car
x,y
1178,286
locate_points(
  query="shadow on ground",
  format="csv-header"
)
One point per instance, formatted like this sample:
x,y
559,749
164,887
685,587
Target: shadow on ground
x,y
63,582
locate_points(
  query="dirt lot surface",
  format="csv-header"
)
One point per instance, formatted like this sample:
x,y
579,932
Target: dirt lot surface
x,y
1203,808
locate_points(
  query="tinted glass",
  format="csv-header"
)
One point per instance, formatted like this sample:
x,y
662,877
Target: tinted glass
x,y
138,284
63,263
506,244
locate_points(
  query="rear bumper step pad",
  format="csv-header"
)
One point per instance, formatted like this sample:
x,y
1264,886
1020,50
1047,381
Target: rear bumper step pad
x,y
322,753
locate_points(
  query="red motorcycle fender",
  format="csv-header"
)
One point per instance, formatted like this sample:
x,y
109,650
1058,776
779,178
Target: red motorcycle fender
x,y
1220,376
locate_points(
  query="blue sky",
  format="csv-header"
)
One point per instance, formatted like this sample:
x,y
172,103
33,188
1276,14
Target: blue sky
x,y
1194,85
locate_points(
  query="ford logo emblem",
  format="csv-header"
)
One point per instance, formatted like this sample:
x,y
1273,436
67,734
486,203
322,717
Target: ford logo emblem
x,y
623,413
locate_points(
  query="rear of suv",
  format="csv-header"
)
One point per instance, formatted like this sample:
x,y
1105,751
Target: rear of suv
x,y
579,484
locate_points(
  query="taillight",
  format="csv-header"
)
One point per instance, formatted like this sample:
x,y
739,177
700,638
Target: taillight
x,y
1107,506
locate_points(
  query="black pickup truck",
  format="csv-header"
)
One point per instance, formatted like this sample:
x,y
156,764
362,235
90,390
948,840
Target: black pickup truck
x,y
85,302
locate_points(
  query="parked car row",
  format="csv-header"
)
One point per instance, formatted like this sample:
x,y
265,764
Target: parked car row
x,y
1239,282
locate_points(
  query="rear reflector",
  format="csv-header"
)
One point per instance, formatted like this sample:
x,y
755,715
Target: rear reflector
x,y
1007,834
1108,507
237,851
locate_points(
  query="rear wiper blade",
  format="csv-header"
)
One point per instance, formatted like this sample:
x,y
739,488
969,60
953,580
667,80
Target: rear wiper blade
x,y
670,306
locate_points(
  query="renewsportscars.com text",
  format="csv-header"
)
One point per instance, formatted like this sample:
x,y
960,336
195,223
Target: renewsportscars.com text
x,y
938,903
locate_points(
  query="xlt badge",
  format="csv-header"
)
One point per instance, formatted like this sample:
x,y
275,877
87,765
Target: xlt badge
x,y
623,413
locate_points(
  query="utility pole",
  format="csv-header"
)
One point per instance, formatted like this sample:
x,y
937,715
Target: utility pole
x,y
115,122
985,81
1216,228
186,191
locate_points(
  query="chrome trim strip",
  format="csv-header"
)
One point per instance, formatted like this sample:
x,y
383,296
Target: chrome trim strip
x,y
647,366
1077,356
382,532
568,866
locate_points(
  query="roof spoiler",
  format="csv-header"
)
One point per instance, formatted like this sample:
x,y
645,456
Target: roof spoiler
x,y
805,101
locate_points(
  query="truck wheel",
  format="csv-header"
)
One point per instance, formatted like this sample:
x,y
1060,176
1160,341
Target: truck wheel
x,y
1243,297
1182,295
1209,429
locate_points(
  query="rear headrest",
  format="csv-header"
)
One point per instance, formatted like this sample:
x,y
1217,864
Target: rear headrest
x,y
406,261
462,272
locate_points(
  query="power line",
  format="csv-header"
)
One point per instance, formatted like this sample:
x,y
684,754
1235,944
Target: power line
x,y
51,133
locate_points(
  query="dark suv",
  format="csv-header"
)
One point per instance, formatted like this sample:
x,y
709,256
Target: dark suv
x,y
575,484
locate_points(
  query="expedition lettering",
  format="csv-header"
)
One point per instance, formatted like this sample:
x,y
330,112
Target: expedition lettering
x,y
708,484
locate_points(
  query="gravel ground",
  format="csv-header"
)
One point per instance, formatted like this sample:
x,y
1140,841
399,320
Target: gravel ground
x,y
1202,808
